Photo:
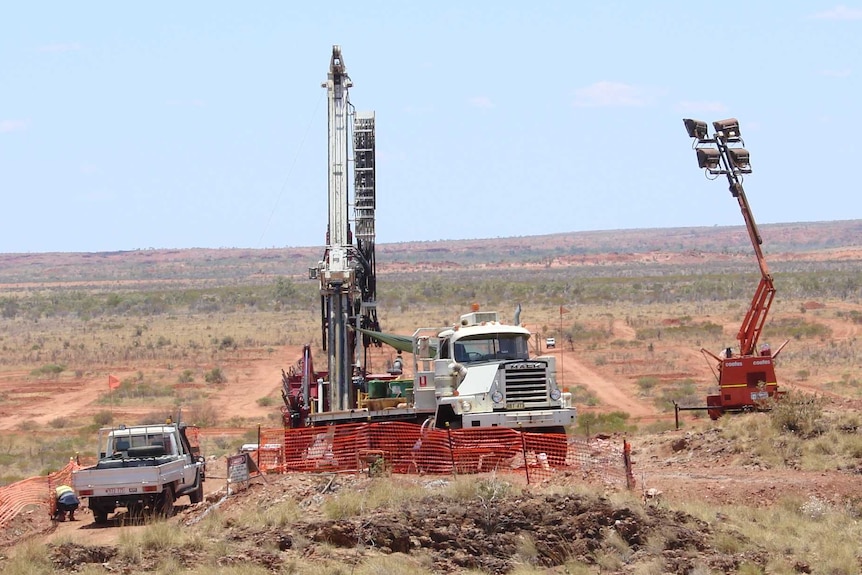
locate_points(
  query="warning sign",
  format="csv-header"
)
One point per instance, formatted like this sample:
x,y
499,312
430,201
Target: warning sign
x,y
238,468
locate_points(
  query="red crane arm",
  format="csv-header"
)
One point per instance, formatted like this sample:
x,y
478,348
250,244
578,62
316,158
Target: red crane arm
x,y
752,325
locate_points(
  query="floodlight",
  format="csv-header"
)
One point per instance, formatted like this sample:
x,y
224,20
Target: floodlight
x,y
696,128
729,128
740,158
708,158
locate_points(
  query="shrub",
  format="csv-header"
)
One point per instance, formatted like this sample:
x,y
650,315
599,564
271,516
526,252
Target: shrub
x,y
103,418
583,396
646,384
683,392
592,423
59,422
797,413
187,376
203,415
227,342
49,369
215,375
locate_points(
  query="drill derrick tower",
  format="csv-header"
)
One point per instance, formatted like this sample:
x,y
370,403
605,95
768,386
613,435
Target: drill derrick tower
x,y
347,270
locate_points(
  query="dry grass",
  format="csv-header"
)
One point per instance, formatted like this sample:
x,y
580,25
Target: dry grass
x,y
381,493
28,558
792,531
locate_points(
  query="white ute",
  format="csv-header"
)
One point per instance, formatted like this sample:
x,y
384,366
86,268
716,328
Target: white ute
x,y
141,468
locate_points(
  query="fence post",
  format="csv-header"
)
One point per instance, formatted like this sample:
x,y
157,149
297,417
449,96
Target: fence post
x,y
627,461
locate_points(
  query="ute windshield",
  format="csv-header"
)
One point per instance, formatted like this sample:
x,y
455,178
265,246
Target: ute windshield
x,y
488,347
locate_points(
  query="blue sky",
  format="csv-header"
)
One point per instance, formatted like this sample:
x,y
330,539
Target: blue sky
x,y
203,124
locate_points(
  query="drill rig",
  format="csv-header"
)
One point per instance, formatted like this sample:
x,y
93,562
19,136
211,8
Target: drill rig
x,y
476,373
746,380
347,271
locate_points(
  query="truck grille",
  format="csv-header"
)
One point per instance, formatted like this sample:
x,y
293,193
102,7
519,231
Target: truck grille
x,y
526,384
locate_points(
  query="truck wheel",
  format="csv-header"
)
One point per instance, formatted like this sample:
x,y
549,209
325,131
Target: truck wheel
x,y
100,516
166,502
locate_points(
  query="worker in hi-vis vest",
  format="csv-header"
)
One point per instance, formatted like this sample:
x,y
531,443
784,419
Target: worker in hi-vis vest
x,y
67,502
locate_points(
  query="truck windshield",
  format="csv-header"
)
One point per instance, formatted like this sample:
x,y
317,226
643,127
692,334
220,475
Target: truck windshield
x,y
488,347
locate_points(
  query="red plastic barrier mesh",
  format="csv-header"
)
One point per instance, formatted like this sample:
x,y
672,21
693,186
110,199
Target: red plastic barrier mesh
x,y
407,448
14,498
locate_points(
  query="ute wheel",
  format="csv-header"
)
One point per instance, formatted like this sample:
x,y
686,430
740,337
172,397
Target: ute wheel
x,y
166,502
100,516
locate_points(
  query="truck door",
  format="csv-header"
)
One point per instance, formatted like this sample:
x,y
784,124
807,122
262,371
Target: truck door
x,y
190,469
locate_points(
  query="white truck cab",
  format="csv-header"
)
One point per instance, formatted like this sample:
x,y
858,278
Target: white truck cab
x,y
479,373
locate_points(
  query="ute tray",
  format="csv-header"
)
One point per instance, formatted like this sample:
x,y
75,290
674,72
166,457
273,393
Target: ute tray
x,y
146,456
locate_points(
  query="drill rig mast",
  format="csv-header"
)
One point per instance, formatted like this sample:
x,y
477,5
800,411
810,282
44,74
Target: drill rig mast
x,y
746,380
347,270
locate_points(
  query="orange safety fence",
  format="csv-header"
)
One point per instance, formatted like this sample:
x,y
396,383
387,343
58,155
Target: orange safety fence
x,y
400,447
16,497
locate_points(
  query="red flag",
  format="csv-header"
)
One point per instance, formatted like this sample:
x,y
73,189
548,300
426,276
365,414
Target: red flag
x,y
563,310
113,382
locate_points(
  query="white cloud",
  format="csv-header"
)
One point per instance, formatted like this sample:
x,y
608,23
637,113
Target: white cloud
x,y
705,106
13,125
840,12
481,102
615,94
60,47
